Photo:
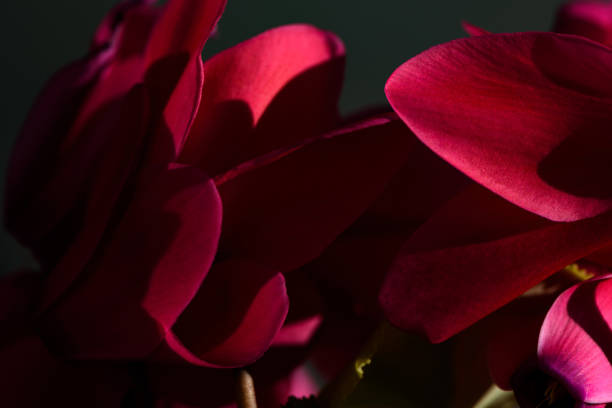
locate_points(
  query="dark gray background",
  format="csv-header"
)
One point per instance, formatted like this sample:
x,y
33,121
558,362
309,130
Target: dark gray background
x,y
39,36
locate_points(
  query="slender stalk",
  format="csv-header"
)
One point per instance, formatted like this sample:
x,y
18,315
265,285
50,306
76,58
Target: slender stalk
x,y
335,394
245,390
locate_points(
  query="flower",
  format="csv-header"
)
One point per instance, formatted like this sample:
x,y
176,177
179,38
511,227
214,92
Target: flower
x,y
554,353
172,202
525,116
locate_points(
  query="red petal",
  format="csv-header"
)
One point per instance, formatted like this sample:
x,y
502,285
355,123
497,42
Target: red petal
x,y
232,321
511,111
32,377
475,255
473,30
184,27
591,19
575,340
145,273
283,211
265,93
107,182
513,336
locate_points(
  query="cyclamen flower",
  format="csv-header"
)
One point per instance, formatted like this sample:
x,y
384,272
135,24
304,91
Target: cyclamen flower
x,y
555,353
171,203
526,116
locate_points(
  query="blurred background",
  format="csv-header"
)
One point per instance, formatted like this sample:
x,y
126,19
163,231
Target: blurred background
x,y
41,36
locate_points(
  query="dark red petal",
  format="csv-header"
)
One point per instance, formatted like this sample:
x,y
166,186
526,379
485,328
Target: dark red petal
x,y
475,255
591,19
32,377
511,111
146,272
513,336
234,317
268,92
283,211
575,340
45,127
107,182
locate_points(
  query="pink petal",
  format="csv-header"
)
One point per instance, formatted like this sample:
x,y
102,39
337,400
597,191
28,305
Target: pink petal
x,y
283,211
591,19
233,319
511,111
575,339
145,272
268,92
475,255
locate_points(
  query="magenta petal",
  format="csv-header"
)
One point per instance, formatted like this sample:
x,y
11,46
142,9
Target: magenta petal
x,y
268,92
511,110
234,317
576,338
146,271
184,27
475,255
473,30
283,211
591,19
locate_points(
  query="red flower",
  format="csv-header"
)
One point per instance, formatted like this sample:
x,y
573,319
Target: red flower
x,y
587,18
552,348
166,198
526,116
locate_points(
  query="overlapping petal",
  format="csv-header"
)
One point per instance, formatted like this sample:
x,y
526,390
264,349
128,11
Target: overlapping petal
x,y
475,255
526,115
145,273
268,92
587,18
233,319
575,339
284,208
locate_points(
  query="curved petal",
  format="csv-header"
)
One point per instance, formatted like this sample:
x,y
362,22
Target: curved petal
x,y
107,182
473,30
475,255
268,92
587,18
145,272
511,111
184,27
233,319
575,340
283,211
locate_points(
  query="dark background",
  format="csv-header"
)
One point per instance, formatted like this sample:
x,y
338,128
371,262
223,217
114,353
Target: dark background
x,y
39,36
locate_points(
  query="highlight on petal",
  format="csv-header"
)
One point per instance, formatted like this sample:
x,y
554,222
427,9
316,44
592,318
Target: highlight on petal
x,y
575,340
268,92
232,320
145,272
476,254
526,115
587,18
283,211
